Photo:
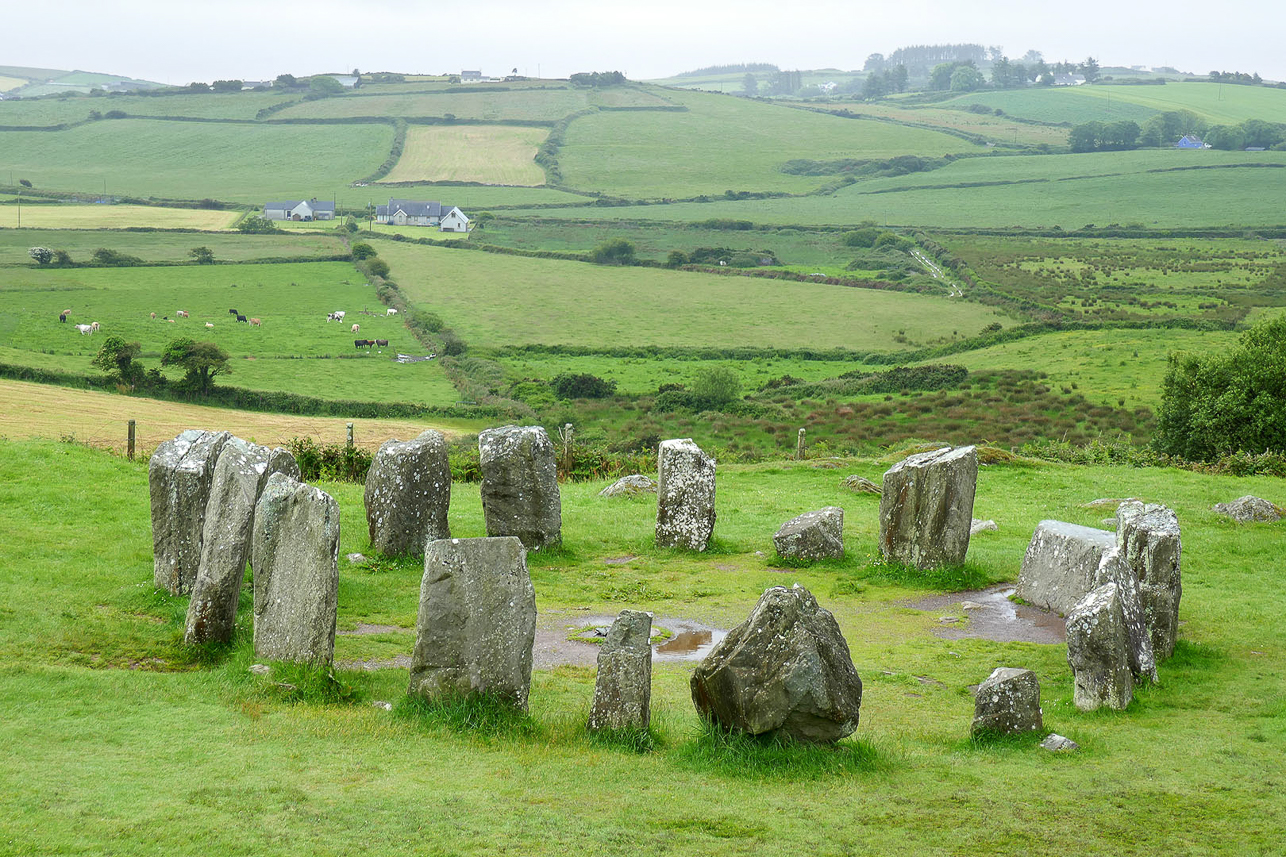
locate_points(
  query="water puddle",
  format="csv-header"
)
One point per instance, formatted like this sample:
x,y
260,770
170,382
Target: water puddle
x,y
992,616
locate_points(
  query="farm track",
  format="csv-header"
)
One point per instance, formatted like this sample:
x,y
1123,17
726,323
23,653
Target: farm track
x,y
953,289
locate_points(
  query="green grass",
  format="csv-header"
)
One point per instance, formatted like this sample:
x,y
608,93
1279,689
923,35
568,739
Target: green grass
x,y
538,104
165,246
56,111
1071,104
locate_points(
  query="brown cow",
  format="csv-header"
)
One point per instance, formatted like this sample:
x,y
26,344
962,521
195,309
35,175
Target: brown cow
x,y
254,322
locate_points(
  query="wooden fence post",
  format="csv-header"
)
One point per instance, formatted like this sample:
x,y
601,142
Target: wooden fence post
x,y
350,435
129,444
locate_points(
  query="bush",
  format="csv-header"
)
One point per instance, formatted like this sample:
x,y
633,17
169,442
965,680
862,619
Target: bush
x,y
114,258
861,237
378,267
716,386
42,255
616,251
582,386
329,461
676,259
362,250
255,225
202,255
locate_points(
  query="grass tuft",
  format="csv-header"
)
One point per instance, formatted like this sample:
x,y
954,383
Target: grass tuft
x,y
625,740
483,715
735,754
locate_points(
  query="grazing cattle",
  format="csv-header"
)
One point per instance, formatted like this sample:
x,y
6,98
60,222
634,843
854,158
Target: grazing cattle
x,y
254,322
241,317
153,316
391,311
233,312
356,328
62,316
363,343
84,329
169,321
181,314
207,324
339,315
381,343
66,312
93,325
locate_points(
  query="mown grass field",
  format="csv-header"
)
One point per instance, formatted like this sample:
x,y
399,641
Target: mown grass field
x,y
493,154
503,300
207,105
114,748
1000,129
541,104
161,246
114,217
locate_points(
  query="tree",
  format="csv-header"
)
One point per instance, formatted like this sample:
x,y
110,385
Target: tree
x,y
877,86
1086,137
286,80
200,361
615,251
1121,135
202,255
568,385
362,250
42,255
325,85
228,85
965,78
116,358
749,86
253,224
1226,137
898,78
874,62
1089,69
110,258
715,387
1002,73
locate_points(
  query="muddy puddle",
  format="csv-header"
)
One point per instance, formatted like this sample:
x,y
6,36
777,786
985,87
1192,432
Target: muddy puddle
x,y
988,614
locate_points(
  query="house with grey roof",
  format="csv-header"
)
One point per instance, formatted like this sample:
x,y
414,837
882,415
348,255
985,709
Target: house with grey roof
x,y
410,212
299,209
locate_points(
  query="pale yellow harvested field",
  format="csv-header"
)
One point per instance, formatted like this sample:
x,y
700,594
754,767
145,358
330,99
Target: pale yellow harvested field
x,y
8,83
115,217
100,419
491,154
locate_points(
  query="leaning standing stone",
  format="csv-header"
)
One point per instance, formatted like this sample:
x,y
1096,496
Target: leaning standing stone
x,y
239,478
926,508
1060,564
179,476
1007,703
408,492
295,553
1097,651
684,496
1149,538
520,485
1138,642
813,535
477,621
623,687
785,670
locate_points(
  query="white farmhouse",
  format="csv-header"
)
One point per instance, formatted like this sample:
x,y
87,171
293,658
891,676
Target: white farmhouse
x,y
299,209
410,212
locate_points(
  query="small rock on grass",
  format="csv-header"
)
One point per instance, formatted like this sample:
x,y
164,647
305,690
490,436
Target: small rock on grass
x,y
982,526
260,669
1250,510
381,704
861,485
355,558
1057,743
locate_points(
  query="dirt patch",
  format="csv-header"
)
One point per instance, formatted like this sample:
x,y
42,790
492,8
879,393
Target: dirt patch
x,y
619,560
992,616
363,630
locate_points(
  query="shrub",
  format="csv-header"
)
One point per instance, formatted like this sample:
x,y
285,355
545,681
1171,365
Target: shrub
x,y
676,258
582,386
716,386
202,255
114,258
329,461
42,255
616,251
861,237
378,267
362,250
255,225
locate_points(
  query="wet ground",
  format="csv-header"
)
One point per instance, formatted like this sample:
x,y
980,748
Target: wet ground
x,y
988,614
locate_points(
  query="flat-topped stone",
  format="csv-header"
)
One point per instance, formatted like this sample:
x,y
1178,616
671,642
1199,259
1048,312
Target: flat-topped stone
x,y
812,536
520,494
926,507
1007,703
1250,510
1060,564
179,476
684,496
1151,544
408,492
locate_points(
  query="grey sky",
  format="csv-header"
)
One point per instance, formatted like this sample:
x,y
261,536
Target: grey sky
x,y
177,42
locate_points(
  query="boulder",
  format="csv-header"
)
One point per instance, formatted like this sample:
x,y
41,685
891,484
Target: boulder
x,y
239,478
926,508
179,476
477,621
977,526
812,535
1056,743
623,687
684,496
295,553
861,485
1150,540
630,486
1138,642
1250,510
1060,564
1097,651
408,491
520,485
785,671
1007,703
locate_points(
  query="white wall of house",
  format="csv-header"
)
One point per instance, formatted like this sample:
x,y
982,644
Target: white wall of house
x,y
455,221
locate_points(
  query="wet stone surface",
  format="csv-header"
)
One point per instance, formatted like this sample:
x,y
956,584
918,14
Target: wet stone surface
x,y
992,616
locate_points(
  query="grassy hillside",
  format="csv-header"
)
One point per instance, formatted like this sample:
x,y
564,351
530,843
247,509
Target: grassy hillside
x,y
498,154
60,217
543,104
206,105
164,246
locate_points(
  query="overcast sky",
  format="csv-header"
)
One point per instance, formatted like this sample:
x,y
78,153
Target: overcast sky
x,y
179,41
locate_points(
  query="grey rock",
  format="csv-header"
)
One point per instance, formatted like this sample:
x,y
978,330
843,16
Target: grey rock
x,y
1060,564
239,478
1151,542
978,526
926,508
1138,642
355,558
861,485
786,670
477,621
1097,651
382,705
1058,744
623,686
1250,510
630,486
1007,703
295,553
1107,502
408,492
520,485
684,496
260,669
179,476
812,535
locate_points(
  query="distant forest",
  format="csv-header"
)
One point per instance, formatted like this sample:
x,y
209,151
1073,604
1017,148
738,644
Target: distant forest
x,y
734,68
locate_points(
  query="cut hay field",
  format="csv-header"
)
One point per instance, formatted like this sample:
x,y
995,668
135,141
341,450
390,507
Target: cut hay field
x,y
40,411
115,217
540,104
494,300
206,105
162,246
1001,129
238,162
490,154
8,83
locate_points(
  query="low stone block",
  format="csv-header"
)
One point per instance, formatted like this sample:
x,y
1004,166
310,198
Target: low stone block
x,y
179,476
926,508
623,686
408,492
1060,564
812,536
630,486
1097,651
684,496
1151,544
1250,510
861,485
520,485
1007,703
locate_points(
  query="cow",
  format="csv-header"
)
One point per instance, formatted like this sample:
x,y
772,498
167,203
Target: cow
x,y
62,316
94,326
153,316
241,317
356,328
180,314
233,312
66,312
363,343
254,322
208,324
339,315
381,343
84,329
391,311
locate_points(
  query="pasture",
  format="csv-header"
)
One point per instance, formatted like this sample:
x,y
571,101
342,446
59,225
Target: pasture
x,y
204,105
995,127
162,246
535,104
114,217
490,154
97,718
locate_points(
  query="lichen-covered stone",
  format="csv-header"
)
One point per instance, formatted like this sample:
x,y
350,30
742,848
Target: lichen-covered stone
x,y
239,478
630,486
477,621
812,535
179,476
1060,564
684,496
1098,651
1250,510
295,553
978,526
1150,540
408,492
1056,743
520,485
861,485
785,670
623,686
1138,642
1007,703
926,507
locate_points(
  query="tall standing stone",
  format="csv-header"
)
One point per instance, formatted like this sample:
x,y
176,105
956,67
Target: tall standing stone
x,y
684,496
623,686
295,553
1097,651
926,508
239,478
477,621
520,485
1060,564
1138,642
408,492
1007,703
179,476
1150,540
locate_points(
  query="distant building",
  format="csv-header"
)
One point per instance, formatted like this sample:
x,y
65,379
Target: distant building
x,y
299,209
467,76
1191,141
1069,79
410,212
454,221
347,81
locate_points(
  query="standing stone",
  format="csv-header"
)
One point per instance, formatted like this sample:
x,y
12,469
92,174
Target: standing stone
x,y
520,485
813,535
1007,703
1138,642
1097,651
786,670
1149,538
1250,510
1061,563
926,508
239,478
684,496
477,620
408,491
295,553
179,476
623,687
